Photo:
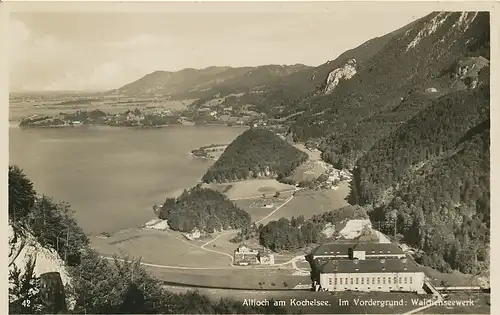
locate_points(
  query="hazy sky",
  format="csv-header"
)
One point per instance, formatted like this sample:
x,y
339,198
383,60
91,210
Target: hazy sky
x,y
105,50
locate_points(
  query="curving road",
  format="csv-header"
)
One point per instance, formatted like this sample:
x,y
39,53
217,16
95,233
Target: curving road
x,y
236,231
203,247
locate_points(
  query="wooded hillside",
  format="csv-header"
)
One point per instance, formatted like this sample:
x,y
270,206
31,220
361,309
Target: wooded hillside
x,y
204,209
255,153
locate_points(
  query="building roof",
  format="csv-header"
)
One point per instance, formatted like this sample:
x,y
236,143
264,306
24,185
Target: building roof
x,y
369,266
369,248
241,246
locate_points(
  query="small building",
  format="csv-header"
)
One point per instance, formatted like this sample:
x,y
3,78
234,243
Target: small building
x,y
245,254
265,257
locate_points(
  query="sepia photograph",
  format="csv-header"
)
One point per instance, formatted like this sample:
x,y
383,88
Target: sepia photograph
x,y
248,157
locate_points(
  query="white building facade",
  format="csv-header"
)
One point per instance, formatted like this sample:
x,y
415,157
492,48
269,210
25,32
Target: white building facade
x,y
364,267
368,279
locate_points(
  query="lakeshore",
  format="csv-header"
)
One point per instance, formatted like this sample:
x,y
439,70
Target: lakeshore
x,y
112,176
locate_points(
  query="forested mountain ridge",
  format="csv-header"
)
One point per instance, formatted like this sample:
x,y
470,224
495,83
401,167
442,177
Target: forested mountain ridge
x,y
413,63
434,172
255,153
413,122
208,82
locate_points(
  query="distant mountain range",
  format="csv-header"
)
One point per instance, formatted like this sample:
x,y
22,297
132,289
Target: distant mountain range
x,y
268,88
208,82
405,112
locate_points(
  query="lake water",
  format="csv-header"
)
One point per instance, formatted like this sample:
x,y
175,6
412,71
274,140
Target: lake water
x,y
113,176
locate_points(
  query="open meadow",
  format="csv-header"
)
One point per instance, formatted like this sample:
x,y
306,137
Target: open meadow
x,y
159,247
260,208
311,202
236,278
314,155
252,188
309,171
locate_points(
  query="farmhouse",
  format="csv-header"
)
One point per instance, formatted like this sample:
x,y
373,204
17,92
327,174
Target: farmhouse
x,y
244,255
265,257
364,267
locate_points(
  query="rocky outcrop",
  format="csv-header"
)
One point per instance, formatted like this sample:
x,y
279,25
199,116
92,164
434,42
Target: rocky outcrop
x,y
347,71
428,29
25,247
471,72
25,253
461,24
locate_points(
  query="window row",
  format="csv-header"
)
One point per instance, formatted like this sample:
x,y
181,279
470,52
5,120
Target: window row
x,y
370,280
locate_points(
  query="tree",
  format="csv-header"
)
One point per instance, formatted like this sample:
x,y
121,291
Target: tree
x,y
24,290
22,195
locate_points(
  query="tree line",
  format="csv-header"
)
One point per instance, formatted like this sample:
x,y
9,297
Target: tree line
x,y
295,233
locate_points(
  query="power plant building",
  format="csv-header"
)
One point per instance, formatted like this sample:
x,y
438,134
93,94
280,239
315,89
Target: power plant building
x,y
364,267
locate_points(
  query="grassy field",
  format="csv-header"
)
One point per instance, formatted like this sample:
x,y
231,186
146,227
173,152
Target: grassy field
x,y
252,188
312,202
303,265
313,155
256,206
308,171
222,244
244,277
159,247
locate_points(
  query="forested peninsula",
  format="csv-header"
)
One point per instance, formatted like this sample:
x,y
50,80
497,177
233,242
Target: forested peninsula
x,y
256,153
203,209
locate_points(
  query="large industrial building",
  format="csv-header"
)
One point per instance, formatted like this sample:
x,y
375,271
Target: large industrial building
x,y
364,267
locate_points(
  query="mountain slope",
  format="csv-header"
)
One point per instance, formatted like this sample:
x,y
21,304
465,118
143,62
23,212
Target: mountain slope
x,y
443,208
274,98
413,122
412,61
268,89
208,82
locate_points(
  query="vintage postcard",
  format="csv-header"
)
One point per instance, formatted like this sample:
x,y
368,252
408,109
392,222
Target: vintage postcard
x,y
249,157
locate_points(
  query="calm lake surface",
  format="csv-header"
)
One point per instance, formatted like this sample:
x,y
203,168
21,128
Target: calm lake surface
x,y
113,176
